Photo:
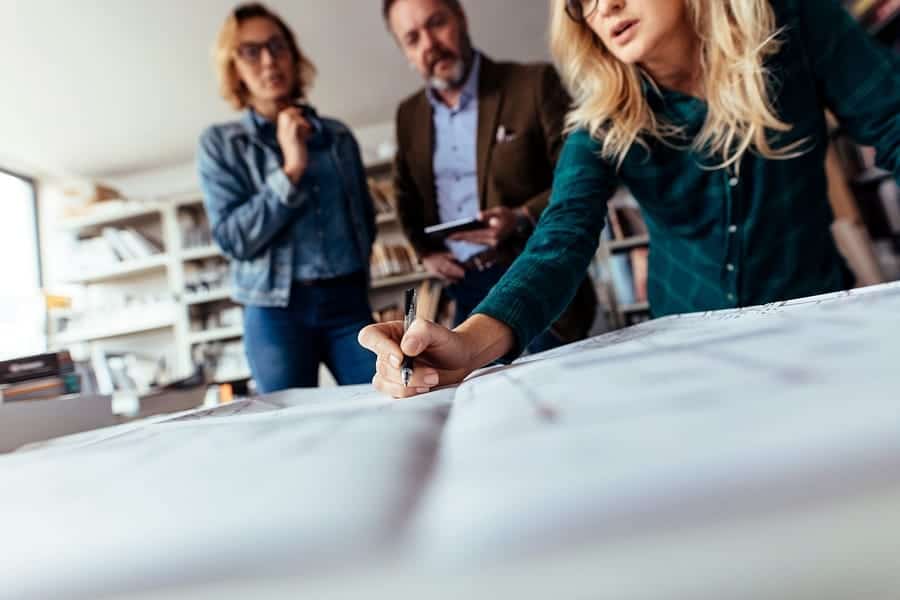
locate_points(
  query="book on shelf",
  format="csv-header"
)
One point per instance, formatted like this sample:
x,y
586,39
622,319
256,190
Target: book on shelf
x,y
126,371
141,245
391,260
622,278
38,377
114,245
382,192
117,243
41,389
36,366
428,303
94,254
628,271
429,299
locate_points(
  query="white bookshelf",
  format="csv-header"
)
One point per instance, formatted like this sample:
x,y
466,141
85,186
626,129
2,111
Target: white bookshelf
x,y
166,271
232,376
123,270
119,212
186,199
207,297
104,332
152,329
215,335
201,252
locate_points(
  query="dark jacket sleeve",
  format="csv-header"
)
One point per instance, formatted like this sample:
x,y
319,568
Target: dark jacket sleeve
x,y
410,204
243,221
859,79
553,103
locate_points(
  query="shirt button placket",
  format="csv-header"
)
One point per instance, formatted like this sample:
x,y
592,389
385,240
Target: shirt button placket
x,y
730,267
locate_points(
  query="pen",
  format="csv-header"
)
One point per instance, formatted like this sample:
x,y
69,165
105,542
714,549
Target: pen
x,y
409,316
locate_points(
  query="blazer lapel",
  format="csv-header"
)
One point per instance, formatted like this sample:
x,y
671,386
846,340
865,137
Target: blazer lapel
x,y
422,157
490,100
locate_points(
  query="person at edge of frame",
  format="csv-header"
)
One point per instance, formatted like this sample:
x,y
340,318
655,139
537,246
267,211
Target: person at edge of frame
x,y
712,114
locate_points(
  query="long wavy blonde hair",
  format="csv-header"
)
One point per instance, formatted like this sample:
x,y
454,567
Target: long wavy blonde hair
x,y
736,37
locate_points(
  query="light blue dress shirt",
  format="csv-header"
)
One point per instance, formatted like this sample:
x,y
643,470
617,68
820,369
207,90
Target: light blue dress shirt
x,y
455,159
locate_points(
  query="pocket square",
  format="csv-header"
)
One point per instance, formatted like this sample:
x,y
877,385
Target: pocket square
x,y
505,135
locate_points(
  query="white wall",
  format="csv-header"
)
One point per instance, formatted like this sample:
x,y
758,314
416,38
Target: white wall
x,y
376,143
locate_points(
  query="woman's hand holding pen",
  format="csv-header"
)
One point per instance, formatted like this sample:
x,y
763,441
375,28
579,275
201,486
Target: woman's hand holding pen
x,y
442,357
293,131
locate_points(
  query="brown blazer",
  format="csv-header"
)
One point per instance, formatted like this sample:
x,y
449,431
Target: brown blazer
x,y
529,103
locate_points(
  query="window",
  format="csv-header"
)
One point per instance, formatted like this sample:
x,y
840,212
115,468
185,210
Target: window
x,y
23,314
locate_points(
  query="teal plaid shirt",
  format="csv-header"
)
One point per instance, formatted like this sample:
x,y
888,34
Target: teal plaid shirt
x,y
720,239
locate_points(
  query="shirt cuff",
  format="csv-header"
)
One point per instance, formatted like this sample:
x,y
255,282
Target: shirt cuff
x,y
287,193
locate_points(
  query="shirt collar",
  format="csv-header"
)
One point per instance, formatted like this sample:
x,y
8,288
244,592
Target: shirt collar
x,y
469,89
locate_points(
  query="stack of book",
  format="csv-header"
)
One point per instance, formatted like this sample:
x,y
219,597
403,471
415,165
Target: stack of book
x,y
428,302
629,269
429,299
392,260
114,245
382,191
38,377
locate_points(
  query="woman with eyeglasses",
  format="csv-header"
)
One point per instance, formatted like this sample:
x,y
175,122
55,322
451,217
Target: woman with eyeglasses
x,y
711,112
288,203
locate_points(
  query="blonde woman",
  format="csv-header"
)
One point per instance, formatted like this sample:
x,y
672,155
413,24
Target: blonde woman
x,y
288,203
711,113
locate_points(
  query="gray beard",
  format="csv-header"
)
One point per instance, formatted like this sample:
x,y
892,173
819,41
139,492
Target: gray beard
x,y
455,80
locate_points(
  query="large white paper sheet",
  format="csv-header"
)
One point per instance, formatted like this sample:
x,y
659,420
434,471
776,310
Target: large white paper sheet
x,y
183,501
675,422
677,452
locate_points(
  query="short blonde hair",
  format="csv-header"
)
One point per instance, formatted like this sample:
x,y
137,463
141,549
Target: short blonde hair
x,y
736,39
231,87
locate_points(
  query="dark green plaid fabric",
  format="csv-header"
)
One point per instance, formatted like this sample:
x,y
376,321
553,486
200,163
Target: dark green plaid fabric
x,y
720,239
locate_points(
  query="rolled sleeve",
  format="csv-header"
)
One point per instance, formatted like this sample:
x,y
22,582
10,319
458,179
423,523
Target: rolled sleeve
x,y
243,220
287,193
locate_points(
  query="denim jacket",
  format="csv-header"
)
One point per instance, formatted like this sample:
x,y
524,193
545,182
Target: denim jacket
x,y
251,205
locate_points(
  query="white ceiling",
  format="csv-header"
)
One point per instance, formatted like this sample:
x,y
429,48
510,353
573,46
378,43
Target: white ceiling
x,y
107,87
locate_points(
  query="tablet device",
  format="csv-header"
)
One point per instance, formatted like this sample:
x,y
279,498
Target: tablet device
x,y
443,230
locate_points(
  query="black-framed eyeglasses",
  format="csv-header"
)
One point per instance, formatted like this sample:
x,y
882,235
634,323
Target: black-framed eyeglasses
x,y
251,52
581,10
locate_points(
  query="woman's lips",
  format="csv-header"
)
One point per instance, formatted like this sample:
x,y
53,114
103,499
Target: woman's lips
x,y
622,27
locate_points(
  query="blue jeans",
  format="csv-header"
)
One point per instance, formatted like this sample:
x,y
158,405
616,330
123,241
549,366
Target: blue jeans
x,y
469,293
320,324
